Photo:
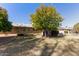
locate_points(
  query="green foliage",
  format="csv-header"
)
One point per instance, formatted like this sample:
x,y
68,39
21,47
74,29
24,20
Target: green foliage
x,y
5,25
46,17
66,31
76,27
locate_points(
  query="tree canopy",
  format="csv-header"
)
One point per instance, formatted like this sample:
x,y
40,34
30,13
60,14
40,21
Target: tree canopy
x,y
76,28
5,25
46,17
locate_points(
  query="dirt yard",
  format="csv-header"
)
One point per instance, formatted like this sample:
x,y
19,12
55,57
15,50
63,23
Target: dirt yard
x,y
35,45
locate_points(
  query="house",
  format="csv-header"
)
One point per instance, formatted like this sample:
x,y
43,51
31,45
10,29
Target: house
x,y
18,29
22,28
65,30
27,28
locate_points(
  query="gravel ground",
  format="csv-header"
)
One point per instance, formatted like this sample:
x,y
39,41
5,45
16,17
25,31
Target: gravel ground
x,y
37,46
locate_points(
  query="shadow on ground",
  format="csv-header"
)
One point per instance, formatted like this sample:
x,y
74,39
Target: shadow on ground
x,y
14,45
32,46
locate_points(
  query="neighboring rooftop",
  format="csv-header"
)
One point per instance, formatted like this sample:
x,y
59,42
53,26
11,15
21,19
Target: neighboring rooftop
x,y
22,25
65,28
30,25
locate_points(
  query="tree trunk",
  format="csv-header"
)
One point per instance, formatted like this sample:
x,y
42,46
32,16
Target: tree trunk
x,y
46,33
49,33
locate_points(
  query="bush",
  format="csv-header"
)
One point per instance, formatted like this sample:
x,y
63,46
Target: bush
x,y
54,33
66,31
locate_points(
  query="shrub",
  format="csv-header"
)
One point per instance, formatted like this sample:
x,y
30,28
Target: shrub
x,y
54,33
66,31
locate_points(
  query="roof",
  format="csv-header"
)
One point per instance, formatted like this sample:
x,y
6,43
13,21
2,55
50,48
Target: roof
x,y
65,28
22,25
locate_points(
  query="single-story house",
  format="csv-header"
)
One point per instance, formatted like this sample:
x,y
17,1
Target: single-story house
x,y
18,29
65,30
24,29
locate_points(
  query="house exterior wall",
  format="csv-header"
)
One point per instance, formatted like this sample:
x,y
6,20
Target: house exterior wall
x,y
63,31
22,30
19,29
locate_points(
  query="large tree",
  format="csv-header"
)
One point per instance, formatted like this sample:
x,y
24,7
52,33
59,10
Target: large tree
x,y
5,25
76,28
46,18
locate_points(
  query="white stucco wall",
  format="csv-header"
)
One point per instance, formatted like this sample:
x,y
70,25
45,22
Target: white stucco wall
x,y
61,31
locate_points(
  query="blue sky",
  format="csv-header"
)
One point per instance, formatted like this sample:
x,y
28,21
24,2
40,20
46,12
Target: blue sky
x,y
20,12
